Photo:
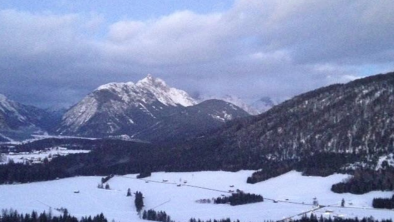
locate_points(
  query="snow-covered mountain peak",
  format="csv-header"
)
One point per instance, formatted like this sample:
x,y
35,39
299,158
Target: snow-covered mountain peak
x,y
149,89
167,95
115,85
125,104
149,80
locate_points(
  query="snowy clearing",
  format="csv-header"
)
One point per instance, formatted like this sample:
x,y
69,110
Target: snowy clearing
x,y
180,201
37,157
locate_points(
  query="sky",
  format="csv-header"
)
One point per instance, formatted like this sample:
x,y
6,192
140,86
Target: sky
x,y
53,53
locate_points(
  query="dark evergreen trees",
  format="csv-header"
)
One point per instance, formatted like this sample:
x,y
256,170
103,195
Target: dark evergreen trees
x,y
270,169
383,203
14,216
156,216
365,181
139,201
128,192
239,198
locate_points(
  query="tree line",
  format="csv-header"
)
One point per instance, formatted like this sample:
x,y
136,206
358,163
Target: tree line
x,y
364,181
110,157
314,218
239,198
14,216
156,216
383,203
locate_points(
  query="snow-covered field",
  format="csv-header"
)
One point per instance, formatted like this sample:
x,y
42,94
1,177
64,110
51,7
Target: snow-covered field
x,y
37,137
180,201
38,156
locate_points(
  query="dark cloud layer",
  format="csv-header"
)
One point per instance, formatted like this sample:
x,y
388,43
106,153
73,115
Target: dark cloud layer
x,y
257,48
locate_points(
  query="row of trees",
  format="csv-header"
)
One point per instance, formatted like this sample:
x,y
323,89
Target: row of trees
x,y
14,216
365,181
384,203
239,199
311,218
270,170
221,220
314,218
156,216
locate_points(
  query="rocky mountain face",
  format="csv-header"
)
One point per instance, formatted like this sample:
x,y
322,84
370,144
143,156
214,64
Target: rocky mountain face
x,y
352,118
136,110
17,119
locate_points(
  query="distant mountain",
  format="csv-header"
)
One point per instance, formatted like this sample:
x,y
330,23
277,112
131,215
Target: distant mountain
x,y
135,109
16,116
255,108
240,103
18,120
263,105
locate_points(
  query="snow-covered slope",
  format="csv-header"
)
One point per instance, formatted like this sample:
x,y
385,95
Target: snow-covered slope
x,y
180,202
129,108
165,94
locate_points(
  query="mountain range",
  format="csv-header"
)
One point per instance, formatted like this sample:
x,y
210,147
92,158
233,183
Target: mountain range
x,y
327,130
148,110
338,128
354,118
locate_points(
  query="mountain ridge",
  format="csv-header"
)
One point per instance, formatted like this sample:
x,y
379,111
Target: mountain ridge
x,y
340,118
128,109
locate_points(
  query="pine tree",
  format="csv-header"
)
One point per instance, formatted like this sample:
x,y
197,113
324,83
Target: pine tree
x,y
139,201
128,192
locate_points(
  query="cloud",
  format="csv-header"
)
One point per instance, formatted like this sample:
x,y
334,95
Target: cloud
x,y
257,48
180,38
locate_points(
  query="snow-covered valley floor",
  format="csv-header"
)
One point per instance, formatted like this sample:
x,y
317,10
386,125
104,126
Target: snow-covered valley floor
x,y
180,201
37,157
